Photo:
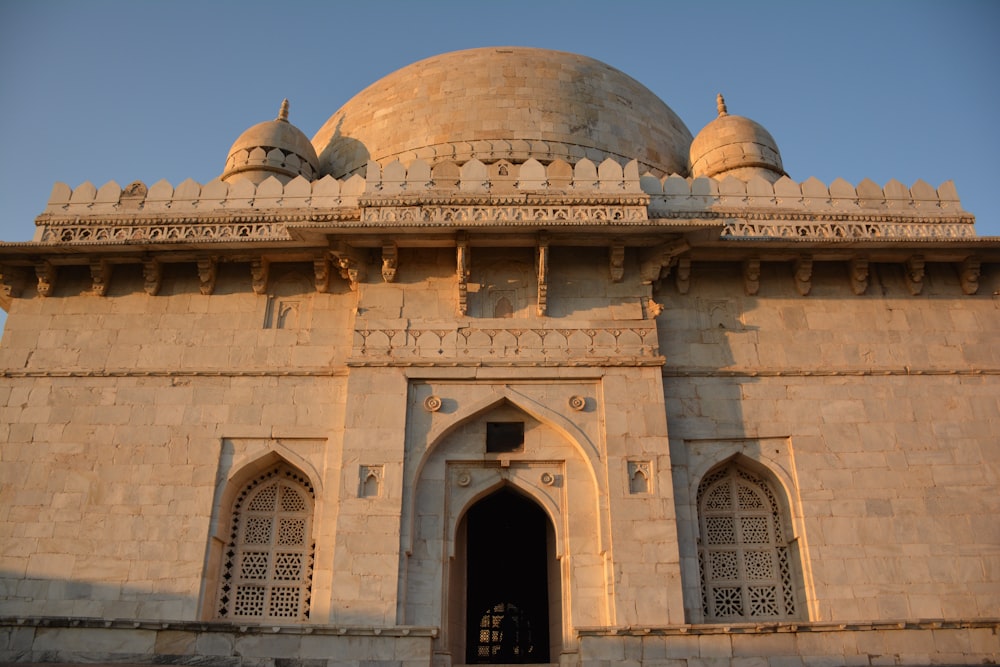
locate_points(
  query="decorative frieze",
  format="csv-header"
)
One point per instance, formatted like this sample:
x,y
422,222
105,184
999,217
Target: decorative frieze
x,y
502,215
784,229
453,343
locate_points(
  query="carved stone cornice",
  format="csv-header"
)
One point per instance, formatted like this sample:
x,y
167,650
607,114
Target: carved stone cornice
x,y
498,216
452,198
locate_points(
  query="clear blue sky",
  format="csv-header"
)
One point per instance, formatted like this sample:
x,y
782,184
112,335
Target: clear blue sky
x,y
140,90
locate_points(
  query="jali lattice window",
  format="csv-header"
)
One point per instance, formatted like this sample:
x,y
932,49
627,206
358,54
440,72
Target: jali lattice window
x,y
267,565
743,553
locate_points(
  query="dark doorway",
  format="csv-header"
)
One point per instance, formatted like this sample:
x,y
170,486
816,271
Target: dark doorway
x,y
507,618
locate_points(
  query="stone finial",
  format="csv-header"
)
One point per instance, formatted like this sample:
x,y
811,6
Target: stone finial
x,y
720,103
283,112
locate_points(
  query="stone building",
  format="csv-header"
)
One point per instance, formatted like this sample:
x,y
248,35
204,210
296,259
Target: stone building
x,y
503,366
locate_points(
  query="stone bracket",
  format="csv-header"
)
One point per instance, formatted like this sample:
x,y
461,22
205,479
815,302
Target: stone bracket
x,y
100,274
260,271
321,270
46,273
207,272
858,271
543,273
915,274
652,261
152,275
352,264
683,275
969,274
462,271
803,275
390,261
14,281
617,259
751,276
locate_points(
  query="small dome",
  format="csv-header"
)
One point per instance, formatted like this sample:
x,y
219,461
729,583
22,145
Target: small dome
x,y
509,104
735,146
272,148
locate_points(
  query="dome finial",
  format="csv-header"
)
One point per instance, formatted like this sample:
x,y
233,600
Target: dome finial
x,y
283,112
720,102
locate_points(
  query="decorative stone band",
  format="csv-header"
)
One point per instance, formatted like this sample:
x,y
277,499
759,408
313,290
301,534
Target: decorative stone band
x,y
624,343
847,230
498,216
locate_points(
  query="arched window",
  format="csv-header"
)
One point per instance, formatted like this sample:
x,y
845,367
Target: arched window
x,y
267,564
743,552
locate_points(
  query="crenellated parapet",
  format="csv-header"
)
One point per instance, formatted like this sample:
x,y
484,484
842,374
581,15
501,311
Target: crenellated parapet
x,y
475,194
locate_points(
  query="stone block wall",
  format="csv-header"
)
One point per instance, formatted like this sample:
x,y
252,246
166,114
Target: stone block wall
x,y
878,415
119,416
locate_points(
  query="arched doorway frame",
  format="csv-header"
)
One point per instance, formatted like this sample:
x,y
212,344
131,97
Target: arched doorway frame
x,y
502,394
454,613
454,508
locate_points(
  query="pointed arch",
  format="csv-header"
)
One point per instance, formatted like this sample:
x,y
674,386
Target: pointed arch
x,y
260,558
502,395
748,566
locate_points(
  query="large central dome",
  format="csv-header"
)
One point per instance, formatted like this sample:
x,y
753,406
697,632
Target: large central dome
x,y
504,104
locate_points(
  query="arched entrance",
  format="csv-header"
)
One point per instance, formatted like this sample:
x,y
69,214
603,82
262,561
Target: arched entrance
x,y
509,569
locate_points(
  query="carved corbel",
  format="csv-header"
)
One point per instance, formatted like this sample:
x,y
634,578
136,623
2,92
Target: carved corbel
x,y
100,274
463,269
803,275
915,274
152,274
46,273
207,269
390,261
14,279
969,275
617,261
652,261
351,263
260,271
543,274
321,269
683,275
751,277
858,269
